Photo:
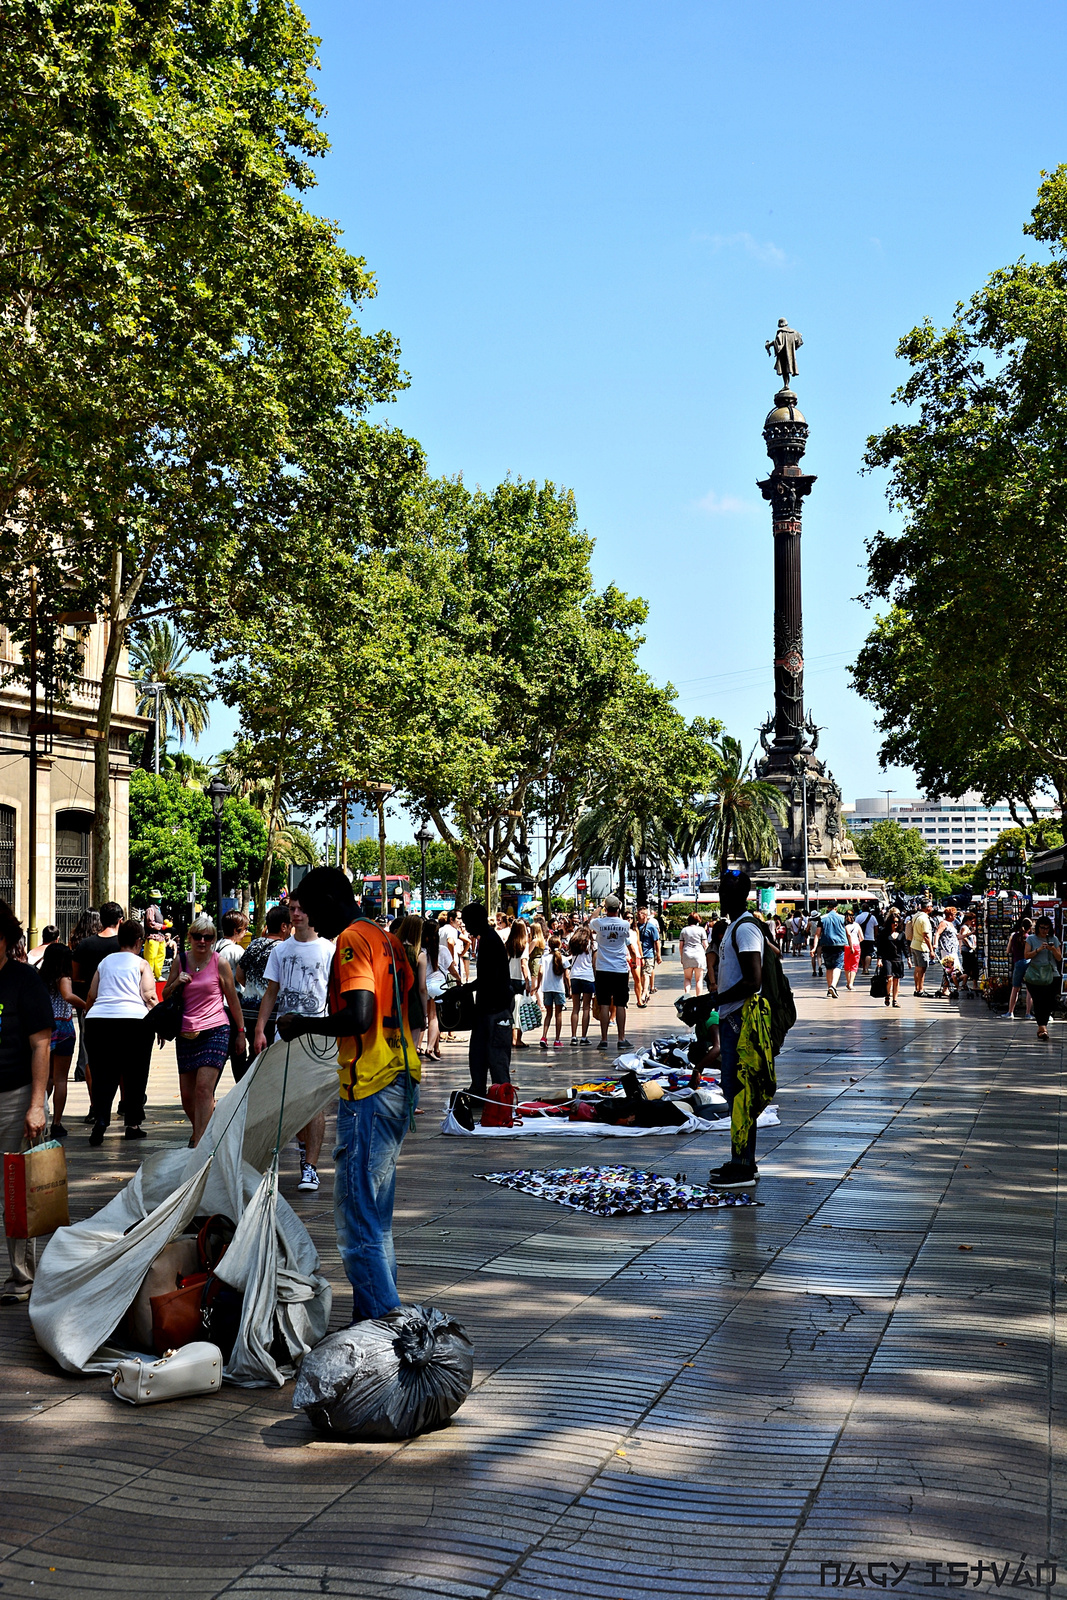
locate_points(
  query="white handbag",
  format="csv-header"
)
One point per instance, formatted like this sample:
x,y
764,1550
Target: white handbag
x,y
194,1369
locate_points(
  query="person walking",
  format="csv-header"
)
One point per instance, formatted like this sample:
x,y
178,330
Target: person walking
x,y
118,1035
947,947
867,921
155,935
251,977
611,964
535,956
1045,958
832,941
298,978
210,1004
890,943
409,931
49,935
651,951
921,943
494,1005
556,990
1016,952
851,957
519,973
378,1071
25,1042
692,951
57,970
583,984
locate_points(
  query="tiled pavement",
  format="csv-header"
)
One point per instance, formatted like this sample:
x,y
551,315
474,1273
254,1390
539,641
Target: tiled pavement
x,y
862,1370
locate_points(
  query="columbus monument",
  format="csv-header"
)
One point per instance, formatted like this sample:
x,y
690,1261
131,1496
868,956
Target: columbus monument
x,y
815,853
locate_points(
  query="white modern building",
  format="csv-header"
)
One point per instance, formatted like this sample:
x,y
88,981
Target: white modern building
x,y
960,827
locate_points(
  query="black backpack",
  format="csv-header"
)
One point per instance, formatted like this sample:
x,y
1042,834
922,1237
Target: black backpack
x,y
775,987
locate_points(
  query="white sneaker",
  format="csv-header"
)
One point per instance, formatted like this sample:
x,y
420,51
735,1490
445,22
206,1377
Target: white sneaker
x,y
309,1178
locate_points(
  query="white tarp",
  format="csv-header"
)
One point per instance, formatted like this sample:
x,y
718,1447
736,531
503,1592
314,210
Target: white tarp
x,y
90,1272
532,1125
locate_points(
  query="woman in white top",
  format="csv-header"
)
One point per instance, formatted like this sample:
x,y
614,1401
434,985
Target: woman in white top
x,y
583,982
118,1035
519,972
692,947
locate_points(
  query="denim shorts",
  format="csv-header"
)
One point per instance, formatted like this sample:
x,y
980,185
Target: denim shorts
x,y
1018,973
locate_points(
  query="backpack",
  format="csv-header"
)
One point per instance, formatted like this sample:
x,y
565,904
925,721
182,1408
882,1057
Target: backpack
x,y
775,988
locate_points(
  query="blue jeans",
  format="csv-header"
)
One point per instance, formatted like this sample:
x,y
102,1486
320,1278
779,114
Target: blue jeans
x,y
729,1034
369,1135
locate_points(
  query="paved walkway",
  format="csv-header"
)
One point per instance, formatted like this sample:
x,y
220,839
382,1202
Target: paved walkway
x,y
741,1404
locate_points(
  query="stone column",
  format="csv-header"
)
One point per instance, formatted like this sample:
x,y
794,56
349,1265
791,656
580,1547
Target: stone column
x,y
786,433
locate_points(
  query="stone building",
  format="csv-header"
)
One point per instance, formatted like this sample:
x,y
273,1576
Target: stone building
x,y
62,837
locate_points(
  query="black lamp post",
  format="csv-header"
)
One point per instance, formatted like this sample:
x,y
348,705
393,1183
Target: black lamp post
x,y
423,838
219,793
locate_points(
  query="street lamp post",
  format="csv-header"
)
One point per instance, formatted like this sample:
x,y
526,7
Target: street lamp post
x,y
379,793
155,690
219,793
423,838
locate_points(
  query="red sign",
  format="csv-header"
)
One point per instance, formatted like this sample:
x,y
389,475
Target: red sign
x,y
581,885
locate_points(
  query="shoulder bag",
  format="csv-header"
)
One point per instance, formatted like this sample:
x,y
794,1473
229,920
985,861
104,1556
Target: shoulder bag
x,y
196,1369
166,1019
1042,971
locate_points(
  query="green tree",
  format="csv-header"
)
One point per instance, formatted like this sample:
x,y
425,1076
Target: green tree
x,y
736,818
172,835
1006,859
901,856
158,656
176,322
979,472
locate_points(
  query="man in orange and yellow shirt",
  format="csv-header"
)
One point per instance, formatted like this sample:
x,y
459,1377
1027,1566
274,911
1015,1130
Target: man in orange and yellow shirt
x,y
379,1070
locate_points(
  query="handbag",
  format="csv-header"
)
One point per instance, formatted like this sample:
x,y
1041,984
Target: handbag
x,y
178,1316
529,1014
455,1009
165,1019
879,985
499,1108
197,1369
35,1191
175,1261
1042,971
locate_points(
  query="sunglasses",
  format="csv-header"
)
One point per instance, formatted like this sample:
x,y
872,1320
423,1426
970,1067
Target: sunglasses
x,y
208,936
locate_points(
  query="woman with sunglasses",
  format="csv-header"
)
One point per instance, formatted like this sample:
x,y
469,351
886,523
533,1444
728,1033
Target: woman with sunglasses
x,y
203,1040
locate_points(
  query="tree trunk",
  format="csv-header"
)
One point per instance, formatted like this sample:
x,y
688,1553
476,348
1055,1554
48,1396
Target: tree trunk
x,y
101,857
464,875
268,858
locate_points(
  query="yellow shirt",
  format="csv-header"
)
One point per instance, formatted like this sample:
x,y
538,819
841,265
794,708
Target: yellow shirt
x,y
369,958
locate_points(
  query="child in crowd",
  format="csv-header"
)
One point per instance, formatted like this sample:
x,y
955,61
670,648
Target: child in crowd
x,y
57,970
556,987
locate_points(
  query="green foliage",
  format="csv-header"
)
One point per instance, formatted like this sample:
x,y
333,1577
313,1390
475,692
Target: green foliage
x,y
157,656
405,858
172,835
1005,860
736,818
902,857
965,666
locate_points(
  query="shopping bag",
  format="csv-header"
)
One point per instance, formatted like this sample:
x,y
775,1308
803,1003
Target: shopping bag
x,y
35,1191
529,1014
879,985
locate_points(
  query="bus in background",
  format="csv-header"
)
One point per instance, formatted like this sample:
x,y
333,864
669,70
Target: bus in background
x,y
398,891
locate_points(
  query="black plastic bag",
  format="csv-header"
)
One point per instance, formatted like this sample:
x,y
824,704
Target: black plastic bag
x,y
387,1380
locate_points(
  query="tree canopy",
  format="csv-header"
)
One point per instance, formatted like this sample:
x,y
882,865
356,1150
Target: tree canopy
x,y
901,856
964,667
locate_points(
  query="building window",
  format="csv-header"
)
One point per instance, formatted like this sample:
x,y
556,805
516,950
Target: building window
x,y
7,854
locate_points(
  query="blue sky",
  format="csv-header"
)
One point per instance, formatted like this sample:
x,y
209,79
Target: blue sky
x,y
586,219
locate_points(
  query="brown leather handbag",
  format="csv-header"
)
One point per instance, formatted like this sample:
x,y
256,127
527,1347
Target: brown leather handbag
x,y
178,1317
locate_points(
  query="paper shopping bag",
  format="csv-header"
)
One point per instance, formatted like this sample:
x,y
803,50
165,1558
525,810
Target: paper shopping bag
x,y
35,1191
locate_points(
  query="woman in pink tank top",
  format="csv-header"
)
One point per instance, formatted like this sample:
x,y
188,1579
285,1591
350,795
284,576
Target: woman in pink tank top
x,y
204,1040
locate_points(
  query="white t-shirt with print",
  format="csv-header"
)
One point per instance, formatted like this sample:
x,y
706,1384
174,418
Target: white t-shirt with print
x,y
748,936
551,980
612,943
301,969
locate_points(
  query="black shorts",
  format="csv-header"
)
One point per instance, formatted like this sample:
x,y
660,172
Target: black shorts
x,y
866,949
613,988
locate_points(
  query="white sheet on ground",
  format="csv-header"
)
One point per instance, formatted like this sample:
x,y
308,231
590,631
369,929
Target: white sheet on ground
x,y
604,1130
90,1272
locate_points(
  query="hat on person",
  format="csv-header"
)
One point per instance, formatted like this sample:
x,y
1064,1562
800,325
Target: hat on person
x,y
612,902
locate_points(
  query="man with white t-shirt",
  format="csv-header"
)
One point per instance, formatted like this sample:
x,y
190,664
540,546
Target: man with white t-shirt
x,y
868,925
611,964
740,977
298,977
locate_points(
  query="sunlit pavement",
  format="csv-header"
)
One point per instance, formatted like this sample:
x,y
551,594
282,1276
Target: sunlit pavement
x,y
853,1385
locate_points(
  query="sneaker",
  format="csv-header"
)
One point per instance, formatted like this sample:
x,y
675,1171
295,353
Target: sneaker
x,y
733,1176
544,1044
624,1044
558,1045
583,1041
574,1044
14,1296
58,1131
309,1179
96,1138
602,1045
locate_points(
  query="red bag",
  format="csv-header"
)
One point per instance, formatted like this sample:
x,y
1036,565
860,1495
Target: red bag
x,y
499,1108
177,1317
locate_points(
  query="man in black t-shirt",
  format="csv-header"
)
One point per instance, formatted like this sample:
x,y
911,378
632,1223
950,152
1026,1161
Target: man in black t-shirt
x,y
25,1040
91,951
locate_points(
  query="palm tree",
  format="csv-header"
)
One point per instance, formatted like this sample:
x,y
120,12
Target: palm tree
x,y
611,832
158,656
736,818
